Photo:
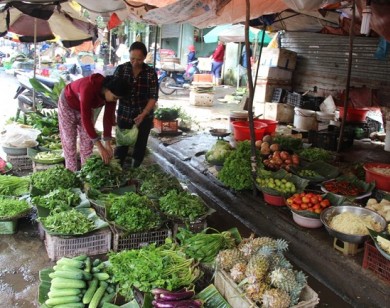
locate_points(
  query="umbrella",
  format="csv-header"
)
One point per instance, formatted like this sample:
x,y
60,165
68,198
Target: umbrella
x,y
51,20
234,33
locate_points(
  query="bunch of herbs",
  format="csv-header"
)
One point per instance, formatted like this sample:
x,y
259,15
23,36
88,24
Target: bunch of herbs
x,y
62,199
10,207
54,178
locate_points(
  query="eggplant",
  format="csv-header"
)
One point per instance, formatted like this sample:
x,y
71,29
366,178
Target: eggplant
x,y
177,296
159,291
188,303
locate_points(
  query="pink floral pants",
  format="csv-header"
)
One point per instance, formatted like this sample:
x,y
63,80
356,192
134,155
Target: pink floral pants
x,y
70,125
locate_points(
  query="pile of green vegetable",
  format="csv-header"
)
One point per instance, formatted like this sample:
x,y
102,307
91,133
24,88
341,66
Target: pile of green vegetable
x,y
61,199
182,205
10,208
219,152
159,184
70,222
236,172
133,213
287,143
54,178
99,175
166,114
14,185
152,267
315,154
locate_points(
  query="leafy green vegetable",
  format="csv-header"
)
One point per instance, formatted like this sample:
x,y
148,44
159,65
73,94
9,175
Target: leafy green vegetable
x,y
315,154
219,152
13,185
61,199
236,172
10,207
152,267
70,222
98,174
54,93
288,143
182,205
166,114
54,178
133,212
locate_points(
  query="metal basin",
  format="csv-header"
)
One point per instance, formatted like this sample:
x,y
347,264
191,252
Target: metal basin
x,y
329,213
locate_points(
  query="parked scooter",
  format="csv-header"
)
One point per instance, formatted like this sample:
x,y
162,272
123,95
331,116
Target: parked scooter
x,y
175,77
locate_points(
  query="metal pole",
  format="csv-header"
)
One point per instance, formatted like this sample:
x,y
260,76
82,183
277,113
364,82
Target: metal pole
x,y
155,48
346,99
109,46
35,60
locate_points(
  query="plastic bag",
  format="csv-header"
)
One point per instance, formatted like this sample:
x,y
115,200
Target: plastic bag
x,y
126,137
20,136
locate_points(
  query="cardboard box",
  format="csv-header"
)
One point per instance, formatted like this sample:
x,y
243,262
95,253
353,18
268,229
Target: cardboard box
x,y
265,88
201,99
274,73
203,78
279,112
279,57
204,64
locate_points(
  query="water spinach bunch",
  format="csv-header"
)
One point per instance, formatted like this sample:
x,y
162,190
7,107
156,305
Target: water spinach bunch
x,y
62,199
10,208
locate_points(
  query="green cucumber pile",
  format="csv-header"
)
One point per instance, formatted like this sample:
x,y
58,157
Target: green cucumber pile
x,y
80,282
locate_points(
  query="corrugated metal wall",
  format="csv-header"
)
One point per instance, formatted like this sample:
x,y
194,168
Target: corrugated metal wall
x,y
323,60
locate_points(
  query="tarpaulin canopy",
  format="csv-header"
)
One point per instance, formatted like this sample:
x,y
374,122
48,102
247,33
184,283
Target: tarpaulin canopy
x,y
60,20
234,33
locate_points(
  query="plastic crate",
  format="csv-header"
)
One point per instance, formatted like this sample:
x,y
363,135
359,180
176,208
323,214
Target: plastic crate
x,y
20,162
373,126
304,101
165,126
122,240
375,262
328,139
42,167
9,226
195,227
237,298
278,95
95,243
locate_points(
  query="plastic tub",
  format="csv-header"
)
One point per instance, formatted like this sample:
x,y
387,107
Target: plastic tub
x,y
242,131
306,222
274,200
382,181
305,119
237,115
354,115
271,128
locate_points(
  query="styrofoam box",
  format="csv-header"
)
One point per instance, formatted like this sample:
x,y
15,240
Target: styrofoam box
x,y
283,113
279,57
275,73
201,99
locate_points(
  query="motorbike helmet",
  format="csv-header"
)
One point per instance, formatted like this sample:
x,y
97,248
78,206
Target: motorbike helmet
x,y
191,48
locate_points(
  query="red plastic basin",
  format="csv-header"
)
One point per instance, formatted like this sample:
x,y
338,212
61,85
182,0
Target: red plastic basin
x,y
382,181
354,115
242,131
274,200
271,128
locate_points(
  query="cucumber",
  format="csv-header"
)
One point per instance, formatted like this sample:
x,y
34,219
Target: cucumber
x,y
88,265
62,300
67,274
80,258
71,305
91,291
98,296
71,262
65,283
63,292
107,298
101,276
96,262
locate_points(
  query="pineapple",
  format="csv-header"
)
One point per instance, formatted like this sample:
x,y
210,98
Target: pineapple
x,y
249,246
257,268
255,291
276,298
238,271
279,260
227,258
284,278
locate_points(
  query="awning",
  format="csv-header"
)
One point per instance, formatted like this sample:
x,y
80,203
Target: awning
x,y
234,33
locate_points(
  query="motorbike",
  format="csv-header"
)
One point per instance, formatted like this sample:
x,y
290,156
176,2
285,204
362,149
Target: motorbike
x,y
173,77
25,91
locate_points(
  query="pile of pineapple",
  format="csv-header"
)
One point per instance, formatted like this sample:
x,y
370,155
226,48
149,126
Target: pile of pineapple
x,y
260,269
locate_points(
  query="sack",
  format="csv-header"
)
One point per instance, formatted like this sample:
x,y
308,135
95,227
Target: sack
x,y
126,137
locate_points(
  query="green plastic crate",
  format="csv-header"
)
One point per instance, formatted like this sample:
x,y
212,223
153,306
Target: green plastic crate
x,y
8,227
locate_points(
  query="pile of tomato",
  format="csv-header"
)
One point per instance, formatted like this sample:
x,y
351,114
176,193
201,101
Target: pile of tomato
x,y
311,202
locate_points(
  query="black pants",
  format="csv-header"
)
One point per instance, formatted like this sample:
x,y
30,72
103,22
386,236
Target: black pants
x,y
140,145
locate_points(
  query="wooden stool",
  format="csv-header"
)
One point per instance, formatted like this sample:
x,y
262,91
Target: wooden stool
x,y
347,248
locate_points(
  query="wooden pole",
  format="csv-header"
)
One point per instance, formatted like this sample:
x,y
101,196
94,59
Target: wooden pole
x,y
346,98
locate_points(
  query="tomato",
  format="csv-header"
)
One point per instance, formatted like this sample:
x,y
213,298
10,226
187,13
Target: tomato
x,y
309,195
297,200
295,206
319,197
304,206
325,203
289,201
305,199
317,211
310,209
317,206
309,205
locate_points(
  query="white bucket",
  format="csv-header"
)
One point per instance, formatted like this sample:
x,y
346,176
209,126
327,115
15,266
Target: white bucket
x,y
387,138
305,119
325,116
237,115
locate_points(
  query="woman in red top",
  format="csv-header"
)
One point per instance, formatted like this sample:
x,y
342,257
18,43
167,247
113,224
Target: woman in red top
x,y
217,63
80,101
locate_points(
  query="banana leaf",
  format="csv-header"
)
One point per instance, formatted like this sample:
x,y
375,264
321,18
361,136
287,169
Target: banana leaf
x,y
383,234
212,298
325,171
300,184
366,187
90,213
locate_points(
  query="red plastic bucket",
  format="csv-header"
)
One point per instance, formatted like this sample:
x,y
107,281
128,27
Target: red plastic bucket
x,y
271,128
354,115
274,200
242,131
382,181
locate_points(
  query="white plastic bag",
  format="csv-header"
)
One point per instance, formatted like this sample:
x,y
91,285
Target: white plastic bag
x,y
126,137
20,136
328,105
